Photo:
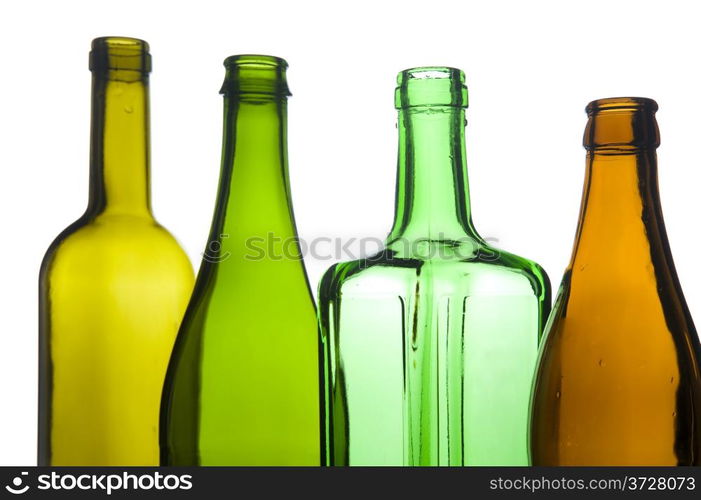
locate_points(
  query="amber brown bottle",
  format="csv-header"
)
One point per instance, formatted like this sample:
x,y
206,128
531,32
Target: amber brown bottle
x,y
618,377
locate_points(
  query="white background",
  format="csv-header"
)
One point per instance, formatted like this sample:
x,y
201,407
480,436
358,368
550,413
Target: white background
x,y
531,68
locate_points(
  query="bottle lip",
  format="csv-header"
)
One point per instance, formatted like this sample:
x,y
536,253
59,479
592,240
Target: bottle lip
x,y
621,125
430,86
621,104
255,60
255,74
431,72
120,53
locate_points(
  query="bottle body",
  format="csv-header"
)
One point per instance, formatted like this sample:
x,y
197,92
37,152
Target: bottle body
x,y
618,377
430,362
113,289
112,295
429,346
242,385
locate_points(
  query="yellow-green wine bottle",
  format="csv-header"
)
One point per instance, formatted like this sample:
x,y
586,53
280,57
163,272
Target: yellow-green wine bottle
x,y
113,288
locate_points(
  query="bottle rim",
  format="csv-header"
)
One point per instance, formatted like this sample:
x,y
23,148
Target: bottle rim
x,y
120,53
431,72
255,60
255,75
430,86
621,125
621,104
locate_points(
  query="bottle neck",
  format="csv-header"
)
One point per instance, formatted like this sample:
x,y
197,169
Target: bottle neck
x,y
119,150
432,189
621,219
620,207
253,220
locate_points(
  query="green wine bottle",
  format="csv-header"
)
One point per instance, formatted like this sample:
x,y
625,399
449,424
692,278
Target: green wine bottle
x,y
242,386
430,345
113,288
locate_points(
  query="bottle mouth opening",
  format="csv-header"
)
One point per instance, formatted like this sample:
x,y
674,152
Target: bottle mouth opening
x,y
120,54
621,104
431,72
255,60
429,86
254,74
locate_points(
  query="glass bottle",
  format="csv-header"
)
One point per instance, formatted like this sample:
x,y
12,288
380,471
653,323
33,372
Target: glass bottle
x,y
113,287
618,377
243,382
430,345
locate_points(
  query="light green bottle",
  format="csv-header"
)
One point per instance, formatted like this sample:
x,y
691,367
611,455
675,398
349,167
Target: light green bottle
x,y
243,384
430,345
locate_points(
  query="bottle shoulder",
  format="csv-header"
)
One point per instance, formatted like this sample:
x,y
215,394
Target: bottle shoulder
x,y
528,268
98,242
644,306
489,272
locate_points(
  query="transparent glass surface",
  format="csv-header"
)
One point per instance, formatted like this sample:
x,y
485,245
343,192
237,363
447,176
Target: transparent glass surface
x,y
113,288
430,345
618,378
243,383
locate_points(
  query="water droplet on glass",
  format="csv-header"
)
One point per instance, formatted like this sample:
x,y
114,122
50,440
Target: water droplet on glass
x,y
674,413
671,380
129,109
601,362
557,394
